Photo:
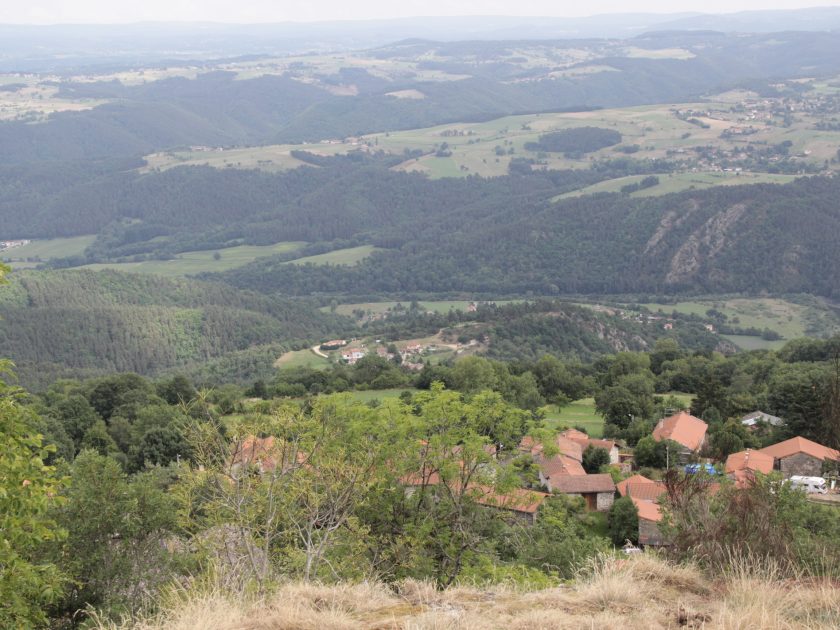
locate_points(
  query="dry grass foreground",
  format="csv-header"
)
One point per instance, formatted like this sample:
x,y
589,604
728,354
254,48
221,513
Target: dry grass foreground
x,y
643,592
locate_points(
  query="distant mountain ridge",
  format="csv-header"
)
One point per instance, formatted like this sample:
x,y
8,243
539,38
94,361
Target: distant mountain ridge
x,y
32,47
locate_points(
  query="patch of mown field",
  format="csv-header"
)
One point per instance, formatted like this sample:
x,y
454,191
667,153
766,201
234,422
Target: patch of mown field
x,y
380,395
746,342
349,256
190,263
38,251
302,358
580,413
276,157
679,182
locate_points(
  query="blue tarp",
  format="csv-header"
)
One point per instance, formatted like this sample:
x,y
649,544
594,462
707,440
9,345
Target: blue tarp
x,y
695,468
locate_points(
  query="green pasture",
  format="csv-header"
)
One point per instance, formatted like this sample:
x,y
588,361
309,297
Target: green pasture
x,y
679,182
189,263
46,249
786,318
580,413
301,358
437,306
349,256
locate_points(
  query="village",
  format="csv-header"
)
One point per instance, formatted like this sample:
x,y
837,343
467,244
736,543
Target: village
x,y
559,463
6,245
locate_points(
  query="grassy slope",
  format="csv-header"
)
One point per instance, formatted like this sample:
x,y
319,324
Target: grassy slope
x,y
349,256
679,182
642,592
437,306
786,318
189,263
302,358
476,148
46,249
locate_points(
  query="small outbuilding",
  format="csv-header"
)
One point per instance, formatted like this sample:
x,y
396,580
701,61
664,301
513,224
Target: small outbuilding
x,y
597,490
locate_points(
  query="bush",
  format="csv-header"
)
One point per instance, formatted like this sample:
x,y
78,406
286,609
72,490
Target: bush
x,y
623,520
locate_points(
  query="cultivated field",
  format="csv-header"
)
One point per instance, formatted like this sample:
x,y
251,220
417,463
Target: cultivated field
x,y
302,358
349,256
678,182
189,263
581,413
34,102
38,251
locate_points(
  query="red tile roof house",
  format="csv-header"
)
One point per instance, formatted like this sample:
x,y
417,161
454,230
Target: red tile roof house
x,y
650,515
584,440
520,503
645,494
553,468
684,429
597,490
799,456
265,454
757,461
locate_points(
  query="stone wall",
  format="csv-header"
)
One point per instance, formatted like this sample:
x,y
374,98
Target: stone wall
x,y
605,501
801,464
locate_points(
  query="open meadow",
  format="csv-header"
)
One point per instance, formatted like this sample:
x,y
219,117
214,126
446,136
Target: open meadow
x,y
189,263
225,259
32,254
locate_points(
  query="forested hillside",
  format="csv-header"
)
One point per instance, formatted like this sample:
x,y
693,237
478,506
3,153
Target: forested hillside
x,y
436,232
62,323
726,239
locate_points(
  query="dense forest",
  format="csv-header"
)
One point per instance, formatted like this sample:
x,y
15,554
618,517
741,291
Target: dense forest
x,y
70,323
726,239
81,323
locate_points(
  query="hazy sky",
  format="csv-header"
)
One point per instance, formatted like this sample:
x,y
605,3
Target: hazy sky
x,y
110,11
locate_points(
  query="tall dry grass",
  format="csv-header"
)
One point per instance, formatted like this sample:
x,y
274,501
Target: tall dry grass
x,y
643,592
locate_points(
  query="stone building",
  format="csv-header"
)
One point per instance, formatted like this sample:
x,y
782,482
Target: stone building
x,y
597,490
799,456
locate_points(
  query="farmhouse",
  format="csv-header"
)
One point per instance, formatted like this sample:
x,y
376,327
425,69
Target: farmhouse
x,y
799,456
352,356
755,419
749,460
521,504
684,429
650,515
580,438
553,468
638,485
266,454
597,490
567,447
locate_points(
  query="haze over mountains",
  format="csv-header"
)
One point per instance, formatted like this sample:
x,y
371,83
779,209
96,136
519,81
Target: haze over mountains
x,y
57,47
